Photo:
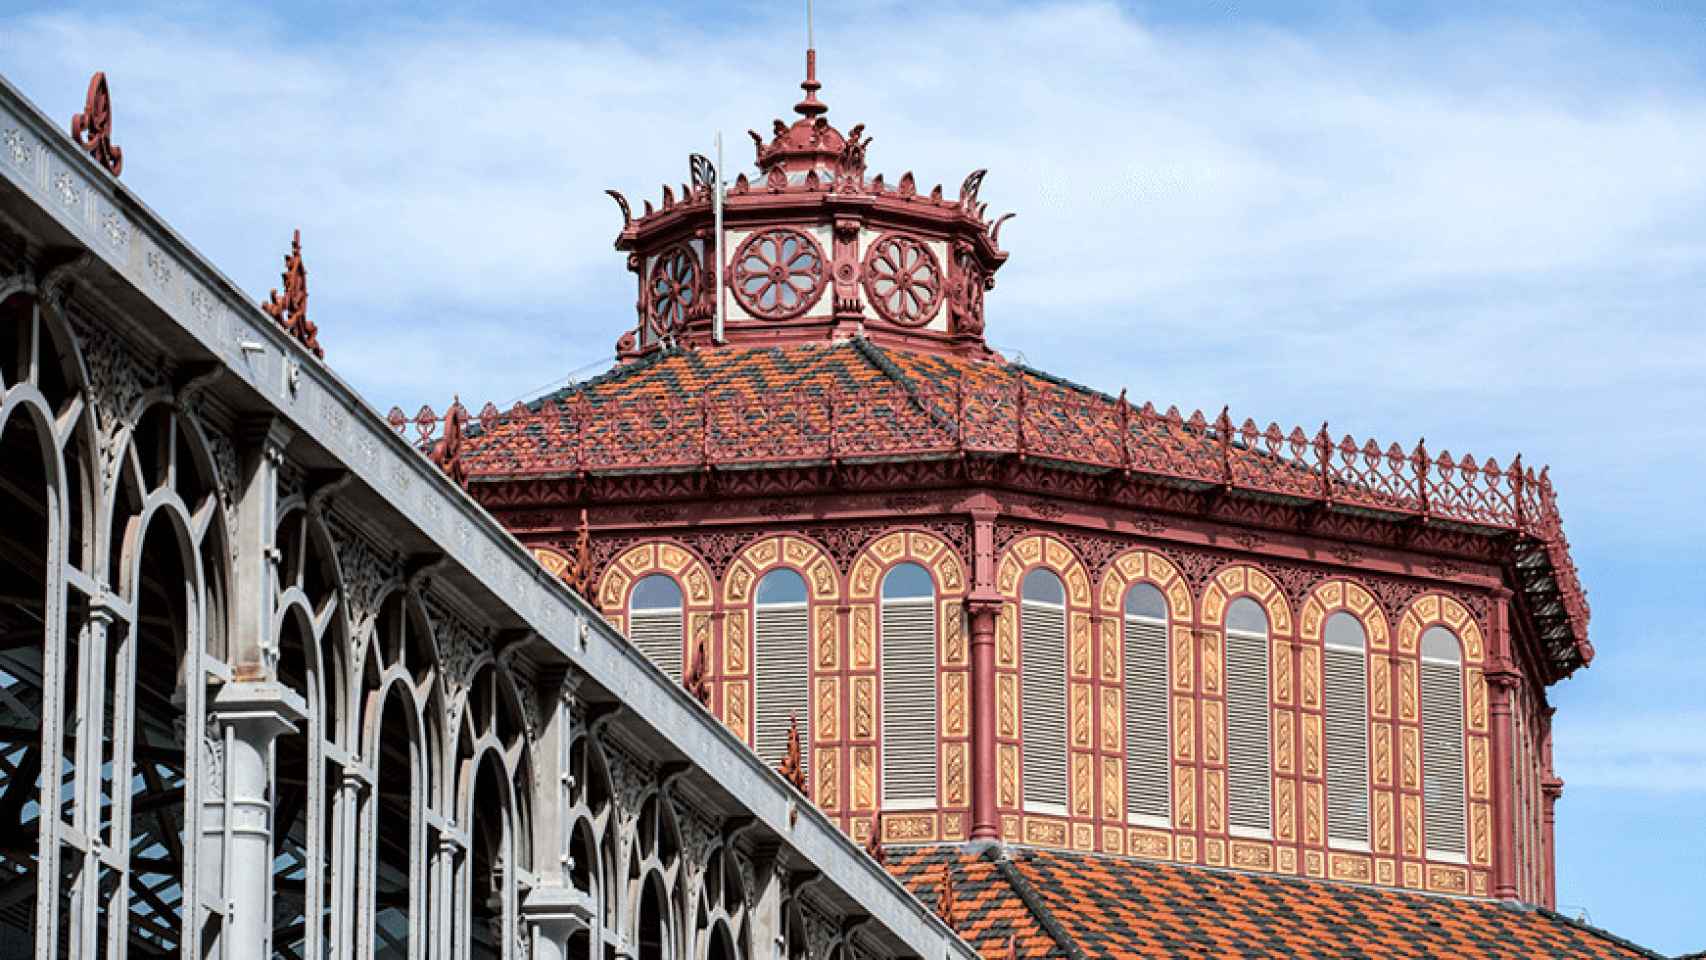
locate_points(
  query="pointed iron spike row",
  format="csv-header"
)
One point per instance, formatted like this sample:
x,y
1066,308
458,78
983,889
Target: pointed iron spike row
x,y
668,197
936,194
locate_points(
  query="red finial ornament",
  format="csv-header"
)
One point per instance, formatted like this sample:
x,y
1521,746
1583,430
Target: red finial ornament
x,y
793,768
811,106
698,680
946,906
579,573
874,840
93,128
448,453
291,310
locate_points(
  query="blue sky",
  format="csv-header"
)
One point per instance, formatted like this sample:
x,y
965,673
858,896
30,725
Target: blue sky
x,y
1484,224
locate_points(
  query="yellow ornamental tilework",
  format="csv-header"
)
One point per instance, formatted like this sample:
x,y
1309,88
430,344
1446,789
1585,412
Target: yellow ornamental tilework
x,y
864,778
1007,705
1007,780
955,706
1112,713
864,707
1083,788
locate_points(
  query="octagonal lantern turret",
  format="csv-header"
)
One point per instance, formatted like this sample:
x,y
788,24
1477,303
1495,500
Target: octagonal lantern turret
x,y
812,249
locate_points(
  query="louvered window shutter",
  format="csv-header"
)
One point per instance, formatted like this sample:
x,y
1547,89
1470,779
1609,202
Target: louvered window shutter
x,y
1345,683
1442,757
781,653
909,703
1249,785
658,635
1043,695
1147,728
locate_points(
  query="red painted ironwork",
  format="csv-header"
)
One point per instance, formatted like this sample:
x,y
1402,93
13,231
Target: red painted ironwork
x,y
448,452
982,421
698,679
903,280
778,273
793,768
291,309
947,903
579,575
93,128
673,290
874,839
991,417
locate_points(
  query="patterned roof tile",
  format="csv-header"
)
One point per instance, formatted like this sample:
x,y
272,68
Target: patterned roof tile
x,y
1104,906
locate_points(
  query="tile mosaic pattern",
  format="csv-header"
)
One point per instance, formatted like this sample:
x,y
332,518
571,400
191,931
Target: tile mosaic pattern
x,y
1102,906
781,404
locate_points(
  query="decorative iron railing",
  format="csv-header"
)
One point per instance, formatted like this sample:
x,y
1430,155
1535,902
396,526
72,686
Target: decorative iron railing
x,y
732,429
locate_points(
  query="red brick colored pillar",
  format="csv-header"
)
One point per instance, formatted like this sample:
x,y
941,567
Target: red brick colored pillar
x,y
1502,680
1551,788
983,606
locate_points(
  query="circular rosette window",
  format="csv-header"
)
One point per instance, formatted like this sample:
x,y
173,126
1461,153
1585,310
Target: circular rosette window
x,y
903,280
778,273
672,289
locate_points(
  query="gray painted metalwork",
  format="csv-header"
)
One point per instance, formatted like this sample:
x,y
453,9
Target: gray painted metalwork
x,y
306,697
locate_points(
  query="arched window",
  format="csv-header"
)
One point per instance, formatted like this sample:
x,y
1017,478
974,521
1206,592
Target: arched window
x,y
909,688
1344,667
781,631
655,622
1042,681
1249,785
1442,743
1148,785
395,830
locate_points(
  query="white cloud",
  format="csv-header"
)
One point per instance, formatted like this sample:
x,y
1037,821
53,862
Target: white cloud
x,y
1486,233
1637,750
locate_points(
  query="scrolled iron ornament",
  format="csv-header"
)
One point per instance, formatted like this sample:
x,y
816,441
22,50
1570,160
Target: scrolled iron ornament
x,y
93,128
778,273
968,284
903,280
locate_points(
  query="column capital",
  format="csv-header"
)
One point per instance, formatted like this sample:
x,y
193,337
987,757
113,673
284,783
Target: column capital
x,y
557,911
259,707
984,601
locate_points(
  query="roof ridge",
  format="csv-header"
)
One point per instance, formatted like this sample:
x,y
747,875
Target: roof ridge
x,y
878,358
1027,894
1060,381
1589,928
616,372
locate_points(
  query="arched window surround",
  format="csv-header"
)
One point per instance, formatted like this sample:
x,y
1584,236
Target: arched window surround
x,y
1328,599
1423,613
1022,556
1228,585
1124,573
867,576
740,683
691,574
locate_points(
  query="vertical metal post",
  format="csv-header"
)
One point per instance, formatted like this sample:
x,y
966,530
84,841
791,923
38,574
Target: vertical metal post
x,y
717,226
